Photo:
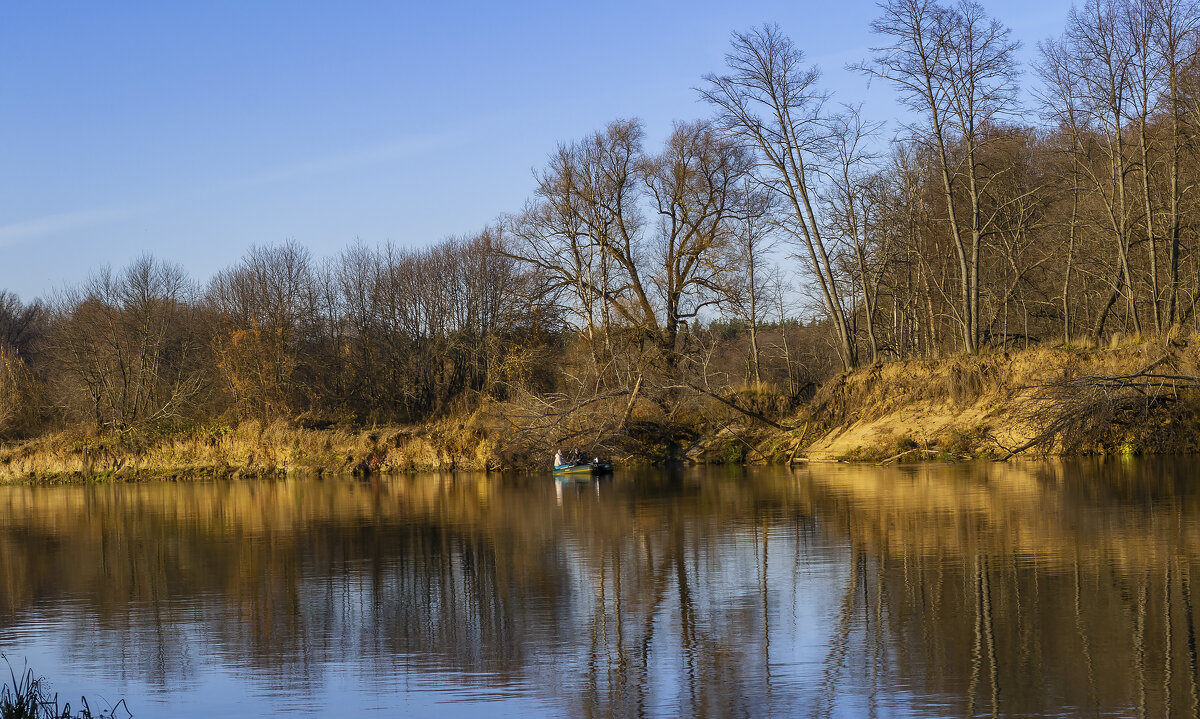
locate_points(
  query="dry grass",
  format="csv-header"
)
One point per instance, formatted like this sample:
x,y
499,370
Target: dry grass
x,y
952,409
247,449
981,405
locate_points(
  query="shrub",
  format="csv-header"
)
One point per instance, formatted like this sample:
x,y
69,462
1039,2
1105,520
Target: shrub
x,y
19,396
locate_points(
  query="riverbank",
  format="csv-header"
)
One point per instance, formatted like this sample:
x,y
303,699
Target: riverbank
x,y
1127,398
1133,397
248,449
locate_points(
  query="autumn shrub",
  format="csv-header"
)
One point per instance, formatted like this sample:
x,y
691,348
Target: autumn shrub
x,y
19,396
965,383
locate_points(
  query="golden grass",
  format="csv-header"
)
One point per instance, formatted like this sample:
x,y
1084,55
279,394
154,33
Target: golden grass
x,y
955,408
246,449
975,405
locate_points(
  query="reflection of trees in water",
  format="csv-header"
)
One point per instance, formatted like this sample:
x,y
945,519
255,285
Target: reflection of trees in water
x,y
282,578
984,590
466,577
677,623
1069,590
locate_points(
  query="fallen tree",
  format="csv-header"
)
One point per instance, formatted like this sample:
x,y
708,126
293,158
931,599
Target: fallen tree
x,y
1074,414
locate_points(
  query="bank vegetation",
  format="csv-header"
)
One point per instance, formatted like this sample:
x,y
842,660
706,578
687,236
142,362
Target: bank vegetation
x,y
722,294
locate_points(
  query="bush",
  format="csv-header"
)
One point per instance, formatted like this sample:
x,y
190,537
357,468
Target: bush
x,y
19,396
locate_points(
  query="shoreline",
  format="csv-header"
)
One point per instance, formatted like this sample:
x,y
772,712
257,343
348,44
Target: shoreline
x,y
967,407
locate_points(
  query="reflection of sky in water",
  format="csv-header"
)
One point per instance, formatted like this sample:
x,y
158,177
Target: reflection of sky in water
x,y
836,592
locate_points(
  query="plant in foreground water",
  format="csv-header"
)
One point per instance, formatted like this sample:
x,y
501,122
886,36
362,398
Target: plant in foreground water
x,y
29,697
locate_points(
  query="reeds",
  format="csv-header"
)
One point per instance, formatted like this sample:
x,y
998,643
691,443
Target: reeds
x,y
29,697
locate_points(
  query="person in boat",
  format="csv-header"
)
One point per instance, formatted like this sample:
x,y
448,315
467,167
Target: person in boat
x,y
558,458
576,456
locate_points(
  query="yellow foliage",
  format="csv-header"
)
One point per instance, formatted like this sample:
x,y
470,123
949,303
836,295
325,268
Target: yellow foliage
x,y
257,369
19,395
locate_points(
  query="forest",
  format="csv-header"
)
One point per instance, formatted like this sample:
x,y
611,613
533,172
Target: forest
x,y
643,291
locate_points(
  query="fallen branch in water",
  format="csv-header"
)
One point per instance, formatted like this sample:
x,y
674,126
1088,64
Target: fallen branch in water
x,y
893,458
796,445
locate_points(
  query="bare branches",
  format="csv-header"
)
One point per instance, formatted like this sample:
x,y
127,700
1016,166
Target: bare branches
x,y
128,346
737,407
956,68
769,101
1076,413
585,231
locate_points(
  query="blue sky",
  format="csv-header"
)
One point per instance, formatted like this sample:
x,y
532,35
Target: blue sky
x,y
195,130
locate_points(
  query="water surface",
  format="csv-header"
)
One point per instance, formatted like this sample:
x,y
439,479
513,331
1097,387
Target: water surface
x,y
1015,590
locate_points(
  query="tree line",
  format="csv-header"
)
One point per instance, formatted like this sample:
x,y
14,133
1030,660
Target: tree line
x,y
648,284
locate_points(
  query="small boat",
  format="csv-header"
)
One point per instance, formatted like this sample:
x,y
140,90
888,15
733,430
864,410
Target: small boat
x,y
587,469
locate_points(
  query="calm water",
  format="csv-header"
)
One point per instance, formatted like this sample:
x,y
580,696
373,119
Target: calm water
x,y
1022,590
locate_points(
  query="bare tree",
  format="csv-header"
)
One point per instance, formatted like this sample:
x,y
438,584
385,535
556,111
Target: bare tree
x,y
586,231
19,395
128,345
1147,74
957,68
265,303
583,231
695,187
1059,95
20,324
747,285
1097,55
851,197
1176,35
770,102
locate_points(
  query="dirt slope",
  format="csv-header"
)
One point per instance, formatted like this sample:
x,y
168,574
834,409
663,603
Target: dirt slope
x,y
972,405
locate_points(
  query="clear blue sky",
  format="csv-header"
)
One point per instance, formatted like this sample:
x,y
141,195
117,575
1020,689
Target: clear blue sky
x,y
195,130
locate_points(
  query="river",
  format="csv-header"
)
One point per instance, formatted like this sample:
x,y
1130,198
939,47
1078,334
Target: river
x,y
1026,589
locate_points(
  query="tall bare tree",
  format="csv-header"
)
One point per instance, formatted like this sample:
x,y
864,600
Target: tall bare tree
x,y
1174,43
695,188
587,232
265,302
1096,53
851,197
20,324
1060,97
956,68
747,286
769,100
